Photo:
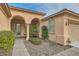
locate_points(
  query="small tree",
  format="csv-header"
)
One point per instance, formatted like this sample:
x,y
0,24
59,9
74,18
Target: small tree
x,y
33,31
44,32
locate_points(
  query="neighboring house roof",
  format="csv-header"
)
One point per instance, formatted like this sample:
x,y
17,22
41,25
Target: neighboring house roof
x,y
26,10
61,12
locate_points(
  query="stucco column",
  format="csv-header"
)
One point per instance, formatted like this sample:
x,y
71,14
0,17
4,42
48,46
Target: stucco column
x,y
66,31
27,31
40,31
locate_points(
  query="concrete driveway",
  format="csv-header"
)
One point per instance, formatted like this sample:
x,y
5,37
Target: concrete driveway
x,y
75,44
69,52
74,51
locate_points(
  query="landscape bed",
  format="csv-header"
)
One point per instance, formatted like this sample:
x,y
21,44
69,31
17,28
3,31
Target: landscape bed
x,y
46,48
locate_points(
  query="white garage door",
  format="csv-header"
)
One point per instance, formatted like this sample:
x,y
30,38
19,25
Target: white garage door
x,y
74,34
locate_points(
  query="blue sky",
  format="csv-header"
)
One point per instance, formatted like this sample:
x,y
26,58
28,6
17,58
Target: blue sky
x,y
48,8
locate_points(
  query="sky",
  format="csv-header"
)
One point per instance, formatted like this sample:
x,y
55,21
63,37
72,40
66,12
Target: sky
x,y
48,8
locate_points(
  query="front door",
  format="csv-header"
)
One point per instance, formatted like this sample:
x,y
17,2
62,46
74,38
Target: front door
x,y
17,29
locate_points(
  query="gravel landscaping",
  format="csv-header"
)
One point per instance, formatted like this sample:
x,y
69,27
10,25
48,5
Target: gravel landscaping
x,y
47,48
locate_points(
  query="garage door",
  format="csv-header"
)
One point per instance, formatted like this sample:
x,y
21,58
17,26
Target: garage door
x,y
74,34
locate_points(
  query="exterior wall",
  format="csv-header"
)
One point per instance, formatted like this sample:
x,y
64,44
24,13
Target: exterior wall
x,y
44,23
58,36
4,23
52,37
59,29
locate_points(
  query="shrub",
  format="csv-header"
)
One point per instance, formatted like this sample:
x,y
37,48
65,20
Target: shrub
x,y
6,40
35,41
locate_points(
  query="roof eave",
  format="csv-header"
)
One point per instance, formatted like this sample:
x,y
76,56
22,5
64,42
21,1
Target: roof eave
x,y
26,10
5,9
61,12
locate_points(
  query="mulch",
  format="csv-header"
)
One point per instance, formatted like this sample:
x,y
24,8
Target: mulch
x,y
4,53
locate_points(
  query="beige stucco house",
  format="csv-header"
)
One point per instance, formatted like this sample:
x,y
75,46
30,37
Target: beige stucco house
x,y
63,26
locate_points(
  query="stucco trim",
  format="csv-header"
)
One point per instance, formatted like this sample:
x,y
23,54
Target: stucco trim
x,y
51,32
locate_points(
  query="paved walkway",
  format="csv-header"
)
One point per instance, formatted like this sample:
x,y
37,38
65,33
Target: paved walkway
x,y
69,52
19,48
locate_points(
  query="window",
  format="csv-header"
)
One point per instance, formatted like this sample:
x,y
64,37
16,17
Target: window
x,y
51,25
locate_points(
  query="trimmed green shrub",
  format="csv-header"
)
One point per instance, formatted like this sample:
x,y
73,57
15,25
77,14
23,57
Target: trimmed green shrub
x,y
35,41
6,40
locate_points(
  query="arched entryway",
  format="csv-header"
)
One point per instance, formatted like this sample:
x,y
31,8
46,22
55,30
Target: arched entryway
x,y
34,28
18,26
